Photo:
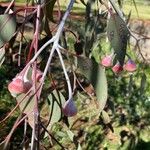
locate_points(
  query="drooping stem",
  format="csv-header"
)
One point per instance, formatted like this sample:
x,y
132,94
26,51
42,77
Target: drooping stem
x,y
35,130
65,73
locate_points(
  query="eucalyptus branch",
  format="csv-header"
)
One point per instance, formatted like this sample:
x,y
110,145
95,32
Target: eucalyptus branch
x,y
17,123
55,41
35,130
9,6
55,46
55,38
25,132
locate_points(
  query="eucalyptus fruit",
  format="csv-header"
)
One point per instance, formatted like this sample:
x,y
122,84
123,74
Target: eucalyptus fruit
x,y
19,85
107,61
69,109
130,66
117,68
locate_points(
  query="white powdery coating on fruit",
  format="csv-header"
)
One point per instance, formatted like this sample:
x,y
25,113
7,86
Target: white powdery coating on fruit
x,y
18,86
69,108
107,61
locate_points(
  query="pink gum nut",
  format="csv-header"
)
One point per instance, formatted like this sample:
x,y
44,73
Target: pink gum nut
x,y
107,61
117,68
18,86
130,66
38,76
69,109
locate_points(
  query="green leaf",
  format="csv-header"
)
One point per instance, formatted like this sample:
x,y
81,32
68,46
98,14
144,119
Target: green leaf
x,y
79,147
2,55
95,73
7,28
55,102
71,135
83,2
136,8
105,117
118,35
49,9
143,83
27,106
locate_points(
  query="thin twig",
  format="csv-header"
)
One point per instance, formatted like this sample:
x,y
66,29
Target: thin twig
x,y
52,136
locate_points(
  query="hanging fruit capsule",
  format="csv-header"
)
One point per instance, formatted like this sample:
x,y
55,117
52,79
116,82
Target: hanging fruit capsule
x,y
130,66
18,86
117,68
107,61
69,109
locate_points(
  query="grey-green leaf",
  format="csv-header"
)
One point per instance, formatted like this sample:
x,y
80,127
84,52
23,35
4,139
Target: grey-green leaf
x,y
118,35
105,117
79,147
56,100
2,55
95,73
7,28
143,83
70,134
27,106
49,9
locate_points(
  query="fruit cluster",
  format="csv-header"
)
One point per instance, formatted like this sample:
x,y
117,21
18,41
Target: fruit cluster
x,y
21,84
129,66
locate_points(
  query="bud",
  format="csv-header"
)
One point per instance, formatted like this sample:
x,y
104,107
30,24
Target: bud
x,y
130,66
69,108
38,75
18,86
107,61
117,68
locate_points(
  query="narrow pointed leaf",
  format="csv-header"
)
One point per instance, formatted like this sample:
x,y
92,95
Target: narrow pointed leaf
x,y
83,2
7,28
79,147
49,9
96,76
2,55
118,35
55,105
26,107
105,117
55,102
70,134
136,8
143,83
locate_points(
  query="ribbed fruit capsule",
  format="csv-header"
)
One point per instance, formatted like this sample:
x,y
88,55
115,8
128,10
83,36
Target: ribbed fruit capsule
x,y
18,86
69,109
117,68
107,61
130,66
